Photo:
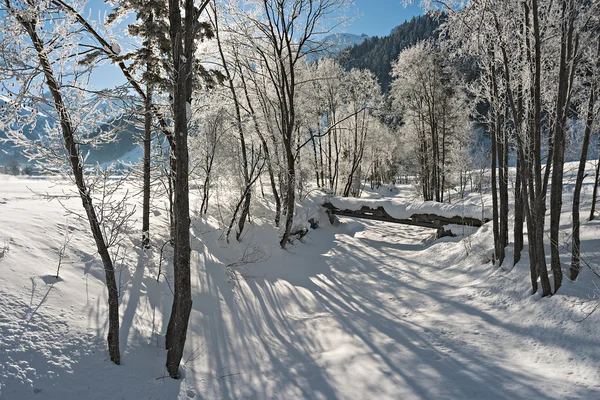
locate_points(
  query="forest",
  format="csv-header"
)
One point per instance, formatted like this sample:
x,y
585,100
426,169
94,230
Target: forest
x,y
232,122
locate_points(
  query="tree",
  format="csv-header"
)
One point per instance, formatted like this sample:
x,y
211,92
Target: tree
x,y
427,93
32,49
590,120
151,26
531,52
183,33
281,33
362,93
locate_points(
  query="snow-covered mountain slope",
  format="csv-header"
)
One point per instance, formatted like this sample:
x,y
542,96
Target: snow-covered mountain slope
x,y
127,135
344,40
332,45
359,310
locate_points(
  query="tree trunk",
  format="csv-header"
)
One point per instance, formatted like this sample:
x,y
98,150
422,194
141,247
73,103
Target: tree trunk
x,y
519,213
147,142
494,143
314,146
290,193
538,186
596,183
86,199
503,187
265,148
589,122
565,79
182,47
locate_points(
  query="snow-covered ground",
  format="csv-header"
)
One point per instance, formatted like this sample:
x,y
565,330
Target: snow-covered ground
x,y
360,310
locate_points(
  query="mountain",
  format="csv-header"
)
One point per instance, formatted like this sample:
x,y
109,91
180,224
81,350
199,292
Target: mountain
x,y
333,45
377,53
341,41
127,137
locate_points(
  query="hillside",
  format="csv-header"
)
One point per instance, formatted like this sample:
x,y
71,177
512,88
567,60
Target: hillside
x,y
333,45
377,53
125,140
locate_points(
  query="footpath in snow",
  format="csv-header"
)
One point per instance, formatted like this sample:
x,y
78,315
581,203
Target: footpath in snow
x,y
361,310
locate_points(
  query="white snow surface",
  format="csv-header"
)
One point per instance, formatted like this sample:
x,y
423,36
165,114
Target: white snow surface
x,y
403,209
362,310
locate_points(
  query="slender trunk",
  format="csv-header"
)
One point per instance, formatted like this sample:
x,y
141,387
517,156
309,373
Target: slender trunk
x,y
589,122
567,66
443,161
290,193
78,174
322,169
182,47
314,145
247,192
265,148
538,212
503,185
147,142
329,159
494,143
596,183
519,212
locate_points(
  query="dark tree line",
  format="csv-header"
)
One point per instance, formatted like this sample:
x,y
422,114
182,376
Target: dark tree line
x,y
376,54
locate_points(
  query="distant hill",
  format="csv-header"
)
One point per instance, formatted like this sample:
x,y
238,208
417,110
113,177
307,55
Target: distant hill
x,y
377,53
341,41
333,45
126,139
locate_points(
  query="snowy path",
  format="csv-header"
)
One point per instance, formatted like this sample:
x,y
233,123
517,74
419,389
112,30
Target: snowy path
x,y
377,316
360,311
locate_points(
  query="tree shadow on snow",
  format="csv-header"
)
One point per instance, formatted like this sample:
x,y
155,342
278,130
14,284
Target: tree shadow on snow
x,y
331,322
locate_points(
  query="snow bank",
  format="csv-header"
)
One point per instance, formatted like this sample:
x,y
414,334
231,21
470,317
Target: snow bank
x,y
404,210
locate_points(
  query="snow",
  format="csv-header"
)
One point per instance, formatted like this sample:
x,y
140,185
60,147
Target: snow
x,y
361,310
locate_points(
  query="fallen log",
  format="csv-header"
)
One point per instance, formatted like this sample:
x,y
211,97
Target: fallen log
x,y
425,220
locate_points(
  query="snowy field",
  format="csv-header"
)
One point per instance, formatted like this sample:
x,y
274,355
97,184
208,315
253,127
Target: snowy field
x,y
362,310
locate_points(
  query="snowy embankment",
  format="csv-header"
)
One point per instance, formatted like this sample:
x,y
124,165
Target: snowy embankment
x,y
360,310
402,209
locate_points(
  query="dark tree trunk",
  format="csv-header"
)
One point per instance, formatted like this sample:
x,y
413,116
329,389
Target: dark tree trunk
x,y
265,147
538,185
321,167
596,183
567,66
503,187
314,146
290,193
589,122
519,213
493,124
78,175
147,142
182,48
247,192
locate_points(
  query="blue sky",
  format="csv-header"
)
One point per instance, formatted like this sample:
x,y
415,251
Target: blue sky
x,y
379,17
373,17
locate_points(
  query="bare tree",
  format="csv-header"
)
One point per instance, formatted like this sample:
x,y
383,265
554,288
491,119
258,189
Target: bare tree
x,y
33,51
282,32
